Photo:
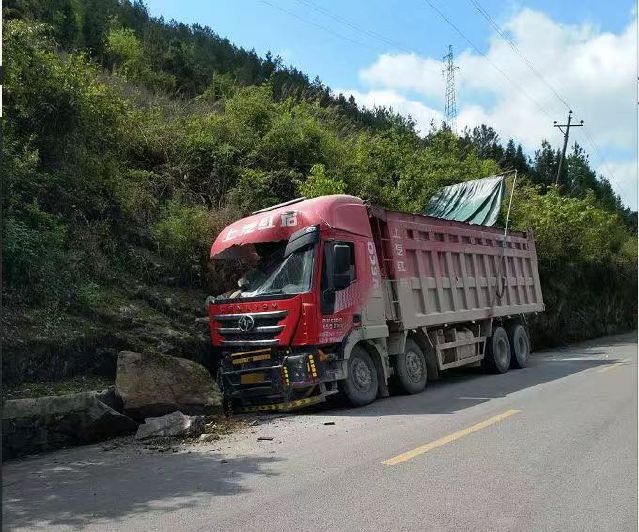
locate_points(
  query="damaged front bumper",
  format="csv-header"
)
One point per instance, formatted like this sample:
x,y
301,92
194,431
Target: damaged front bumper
x,y
273,379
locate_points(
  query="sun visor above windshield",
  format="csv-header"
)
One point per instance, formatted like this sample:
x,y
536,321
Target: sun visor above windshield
x,y
263,227
338,211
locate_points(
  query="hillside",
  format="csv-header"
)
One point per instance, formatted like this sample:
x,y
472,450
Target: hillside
x,y
129,142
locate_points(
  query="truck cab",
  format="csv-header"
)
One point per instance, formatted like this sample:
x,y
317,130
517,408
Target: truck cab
x,y
313,281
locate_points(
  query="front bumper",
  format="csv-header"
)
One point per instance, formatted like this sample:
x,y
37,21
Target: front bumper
x,y
272,379
288,406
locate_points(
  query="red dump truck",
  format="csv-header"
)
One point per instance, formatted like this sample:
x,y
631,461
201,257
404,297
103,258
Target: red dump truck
x,y
340,296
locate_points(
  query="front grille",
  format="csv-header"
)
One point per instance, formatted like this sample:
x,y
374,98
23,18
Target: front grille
x,y
239,337
263,330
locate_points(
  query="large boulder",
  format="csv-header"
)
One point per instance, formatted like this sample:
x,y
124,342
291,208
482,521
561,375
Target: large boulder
x,y
152,385
173,424
46,423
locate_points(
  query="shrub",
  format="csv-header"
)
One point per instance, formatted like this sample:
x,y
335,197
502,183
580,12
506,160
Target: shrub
x,y
184,234
34,260
319,184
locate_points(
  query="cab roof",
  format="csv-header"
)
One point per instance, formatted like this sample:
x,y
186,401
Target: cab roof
x,y
340,212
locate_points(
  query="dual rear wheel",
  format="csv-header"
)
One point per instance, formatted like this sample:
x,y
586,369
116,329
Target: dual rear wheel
x,y
360,387
411,368
507,348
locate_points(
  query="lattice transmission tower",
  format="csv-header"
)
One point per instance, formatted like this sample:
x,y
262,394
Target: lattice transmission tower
x,y
450,109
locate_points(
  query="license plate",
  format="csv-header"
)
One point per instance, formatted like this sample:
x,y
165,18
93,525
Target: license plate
x,y
252,378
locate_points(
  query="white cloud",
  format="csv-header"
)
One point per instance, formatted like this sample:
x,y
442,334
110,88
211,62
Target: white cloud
x,y
592,70
406,71
421,113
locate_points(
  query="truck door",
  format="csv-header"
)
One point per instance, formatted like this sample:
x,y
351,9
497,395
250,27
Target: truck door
x,y
338,290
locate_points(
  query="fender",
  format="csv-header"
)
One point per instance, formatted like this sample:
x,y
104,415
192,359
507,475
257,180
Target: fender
x,y
374,338
397,342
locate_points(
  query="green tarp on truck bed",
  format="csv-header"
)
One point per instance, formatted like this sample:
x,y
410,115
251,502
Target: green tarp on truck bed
x,y
476,202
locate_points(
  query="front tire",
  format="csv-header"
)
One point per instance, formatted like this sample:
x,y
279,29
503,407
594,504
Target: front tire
x,y
412,371
519,346
497,359
360,387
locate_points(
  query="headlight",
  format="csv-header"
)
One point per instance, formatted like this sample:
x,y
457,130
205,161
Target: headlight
x,y
297,368
301,368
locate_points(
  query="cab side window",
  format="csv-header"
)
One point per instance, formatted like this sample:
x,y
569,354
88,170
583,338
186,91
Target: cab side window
x,y
352,270
338,272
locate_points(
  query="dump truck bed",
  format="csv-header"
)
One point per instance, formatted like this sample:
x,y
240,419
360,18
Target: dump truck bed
x,y
440,272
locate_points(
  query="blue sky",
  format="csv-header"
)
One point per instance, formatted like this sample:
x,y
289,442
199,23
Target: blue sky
x,y
582,49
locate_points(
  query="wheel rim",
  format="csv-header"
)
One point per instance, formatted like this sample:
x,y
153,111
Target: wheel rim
x,y
522,348
362,377
501,352
414,366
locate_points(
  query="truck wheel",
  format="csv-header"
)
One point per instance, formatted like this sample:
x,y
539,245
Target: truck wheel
x,y
360,387
411,368
497,359
519,346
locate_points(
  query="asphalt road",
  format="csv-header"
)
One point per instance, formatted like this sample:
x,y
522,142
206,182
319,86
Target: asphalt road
x,y
550,447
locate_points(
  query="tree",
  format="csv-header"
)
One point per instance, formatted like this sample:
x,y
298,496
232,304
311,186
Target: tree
x,y
125,52
319,184
97,16
545,165
69,27
580,178
485,140
521,161
113,184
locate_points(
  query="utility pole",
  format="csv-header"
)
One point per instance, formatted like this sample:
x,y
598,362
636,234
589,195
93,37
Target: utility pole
x,y
450,109
566,133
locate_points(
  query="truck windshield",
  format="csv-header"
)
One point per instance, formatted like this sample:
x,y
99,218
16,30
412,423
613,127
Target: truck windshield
x,y
275,274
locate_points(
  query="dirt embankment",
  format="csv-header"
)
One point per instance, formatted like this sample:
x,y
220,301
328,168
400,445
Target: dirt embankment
x,y
52,351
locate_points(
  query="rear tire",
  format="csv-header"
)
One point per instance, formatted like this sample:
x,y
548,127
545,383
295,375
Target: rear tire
x,y
519,346
360,387
412,371
497,359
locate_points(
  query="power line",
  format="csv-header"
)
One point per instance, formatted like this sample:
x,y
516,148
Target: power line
x,y
516,49
320,26
532,67
381,37
472,45
603,161
452,25
401,47
354,26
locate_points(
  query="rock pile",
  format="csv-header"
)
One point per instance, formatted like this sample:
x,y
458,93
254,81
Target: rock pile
x,y
169,395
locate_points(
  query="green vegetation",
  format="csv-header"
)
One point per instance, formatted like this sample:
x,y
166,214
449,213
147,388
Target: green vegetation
x,y
81,383
129,143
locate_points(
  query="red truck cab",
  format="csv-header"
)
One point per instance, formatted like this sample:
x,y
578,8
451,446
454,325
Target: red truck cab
x,y
316,280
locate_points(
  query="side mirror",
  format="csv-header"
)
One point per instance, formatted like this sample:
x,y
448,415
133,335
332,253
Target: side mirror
x,y
341,266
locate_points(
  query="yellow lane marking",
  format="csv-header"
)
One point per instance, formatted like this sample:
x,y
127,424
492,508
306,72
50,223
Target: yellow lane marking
x,y
450,438
612,366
